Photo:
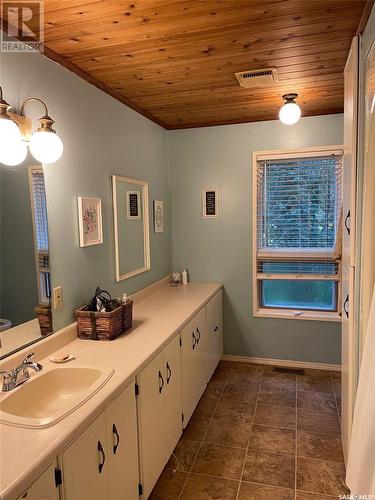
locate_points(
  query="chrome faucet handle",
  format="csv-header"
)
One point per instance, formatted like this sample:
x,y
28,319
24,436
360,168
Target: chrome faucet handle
x,y
29,356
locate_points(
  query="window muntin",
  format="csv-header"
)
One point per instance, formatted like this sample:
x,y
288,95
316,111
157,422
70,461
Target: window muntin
x,y
297,208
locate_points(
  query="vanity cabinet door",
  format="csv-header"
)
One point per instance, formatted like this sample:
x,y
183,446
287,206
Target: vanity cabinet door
x,y
84,465
151,423
193,364
172,406
214,317
122,446
44,487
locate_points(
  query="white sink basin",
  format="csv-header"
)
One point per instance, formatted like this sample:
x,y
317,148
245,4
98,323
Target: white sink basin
x,y
50,396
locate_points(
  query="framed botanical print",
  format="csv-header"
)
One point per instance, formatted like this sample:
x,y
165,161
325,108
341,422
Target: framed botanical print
x,y
90,221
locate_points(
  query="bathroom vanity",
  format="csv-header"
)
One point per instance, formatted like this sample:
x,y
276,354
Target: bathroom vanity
x,y
116,443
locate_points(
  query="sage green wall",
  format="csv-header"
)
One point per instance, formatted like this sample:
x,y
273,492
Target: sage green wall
x,y
101,137
220,250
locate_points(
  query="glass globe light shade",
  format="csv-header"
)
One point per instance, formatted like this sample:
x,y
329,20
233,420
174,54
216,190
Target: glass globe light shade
x,y
13,153
46,147
290,113
9,131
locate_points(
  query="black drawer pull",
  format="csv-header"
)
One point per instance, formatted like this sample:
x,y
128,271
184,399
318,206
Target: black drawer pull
x,y
194,340
115,432
198,335
346,303
169,373
216,329
161,382
101,451
346,222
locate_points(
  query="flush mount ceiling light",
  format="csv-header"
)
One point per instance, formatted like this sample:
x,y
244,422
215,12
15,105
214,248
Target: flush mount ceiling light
x,y
45,145
16,133
290,112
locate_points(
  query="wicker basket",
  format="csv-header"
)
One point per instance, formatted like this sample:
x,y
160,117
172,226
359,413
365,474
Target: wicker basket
x,y
104,325
44,315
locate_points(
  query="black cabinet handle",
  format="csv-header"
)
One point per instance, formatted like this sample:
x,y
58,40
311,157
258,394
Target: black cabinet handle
x,y
198,335
101,451
194,340
216,329
346,222
346,303
169,373
161,382
115,432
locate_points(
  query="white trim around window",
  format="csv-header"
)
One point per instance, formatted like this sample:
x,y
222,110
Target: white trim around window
x,y
313,254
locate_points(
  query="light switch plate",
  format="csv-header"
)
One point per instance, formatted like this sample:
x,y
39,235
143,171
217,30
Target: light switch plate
x,y
57,297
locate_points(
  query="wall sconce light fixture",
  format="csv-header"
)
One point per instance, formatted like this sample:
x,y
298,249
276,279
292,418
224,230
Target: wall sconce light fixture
x,y
16,132
290,112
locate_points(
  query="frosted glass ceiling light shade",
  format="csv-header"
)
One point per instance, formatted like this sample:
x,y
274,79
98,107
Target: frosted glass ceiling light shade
x,y
9,131
45,145
290,112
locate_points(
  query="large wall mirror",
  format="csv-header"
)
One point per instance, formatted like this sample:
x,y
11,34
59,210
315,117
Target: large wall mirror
x,y
25,279
131,226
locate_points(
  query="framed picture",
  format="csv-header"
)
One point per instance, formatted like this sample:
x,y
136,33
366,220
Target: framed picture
x,y
158,216
210,203
133,205
90,221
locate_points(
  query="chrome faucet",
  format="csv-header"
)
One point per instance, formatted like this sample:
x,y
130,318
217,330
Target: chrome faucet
x,y
20,374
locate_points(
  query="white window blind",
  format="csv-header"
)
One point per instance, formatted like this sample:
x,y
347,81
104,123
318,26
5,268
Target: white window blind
x,y
40,211
298,210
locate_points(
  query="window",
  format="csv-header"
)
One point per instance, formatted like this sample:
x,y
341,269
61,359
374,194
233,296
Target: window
x,y
297,215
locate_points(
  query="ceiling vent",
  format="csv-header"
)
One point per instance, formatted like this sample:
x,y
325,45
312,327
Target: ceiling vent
x,y
257,78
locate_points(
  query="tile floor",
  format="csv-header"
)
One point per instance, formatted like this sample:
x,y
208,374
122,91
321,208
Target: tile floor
x,y
258,435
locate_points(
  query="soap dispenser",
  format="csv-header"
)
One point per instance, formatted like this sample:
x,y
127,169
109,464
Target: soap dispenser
x,y
184,277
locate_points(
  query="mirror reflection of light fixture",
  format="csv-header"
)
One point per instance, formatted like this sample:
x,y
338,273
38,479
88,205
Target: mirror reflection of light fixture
x,y
45,145
12,149
290,112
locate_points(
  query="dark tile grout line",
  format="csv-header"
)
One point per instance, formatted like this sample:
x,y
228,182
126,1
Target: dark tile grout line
x,y
204,436
251,431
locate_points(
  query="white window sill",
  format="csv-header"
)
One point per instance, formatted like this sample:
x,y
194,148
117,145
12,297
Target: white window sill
x,y
295,314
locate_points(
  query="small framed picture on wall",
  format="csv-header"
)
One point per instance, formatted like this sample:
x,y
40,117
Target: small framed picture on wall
x,y
158,216
133,205
90,221
210,203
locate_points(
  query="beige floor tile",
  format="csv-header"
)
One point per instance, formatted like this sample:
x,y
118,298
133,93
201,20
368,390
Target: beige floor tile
x,y
222,461
279,382
315,384
319,476
209,488
318,401
316,421
246,374
318,445
272,440
241,393
269,468
251,491
234,409
275,416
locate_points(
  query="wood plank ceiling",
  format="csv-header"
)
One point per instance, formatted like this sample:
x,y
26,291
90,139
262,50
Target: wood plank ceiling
x,y
174,60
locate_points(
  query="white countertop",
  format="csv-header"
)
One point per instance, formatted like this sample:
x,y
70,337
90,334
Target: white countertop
x,y
25,453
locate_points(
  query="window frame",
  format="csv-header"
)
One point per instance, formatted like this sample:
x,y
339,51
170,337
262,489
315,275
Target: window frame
x,y
309,254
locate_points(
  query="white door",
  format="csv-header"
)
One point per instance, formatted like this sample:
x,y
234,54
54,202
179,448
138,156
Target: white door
x,y
44,487
122,446
84,465
171,394
152,450
349,342
214,320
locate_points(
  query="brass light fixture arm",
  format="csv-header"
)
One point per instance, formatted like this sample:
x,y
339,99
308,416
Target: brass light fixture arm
x,y
45,121
33,99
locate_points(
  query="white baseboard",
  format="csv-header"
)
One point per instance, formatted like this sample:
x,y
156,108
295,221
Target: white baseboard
x,y
283,362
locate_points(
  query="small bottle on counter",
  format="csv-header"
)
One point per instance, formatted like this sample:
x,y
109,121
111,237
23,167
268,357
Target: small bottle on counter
x,y
124,298
184,277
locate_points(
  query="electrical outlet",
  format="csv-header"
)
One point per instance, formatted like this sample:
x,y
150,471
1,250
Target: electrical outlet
x,y
57,297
